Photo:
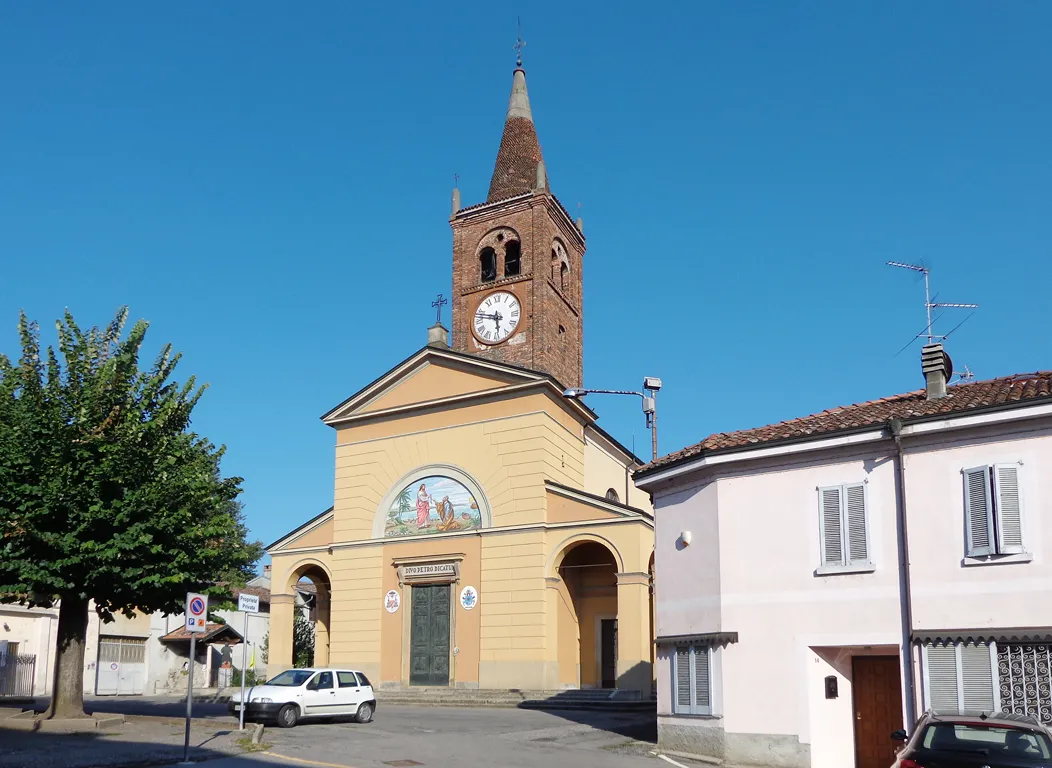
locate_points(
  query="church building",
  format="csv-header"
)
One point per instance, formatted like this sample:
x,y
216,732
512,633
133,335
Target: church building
x,y
485,532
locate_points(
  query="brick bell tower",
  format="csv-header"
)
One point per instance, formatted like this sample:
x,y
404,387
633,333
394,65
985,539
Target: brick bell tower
x,y
518,260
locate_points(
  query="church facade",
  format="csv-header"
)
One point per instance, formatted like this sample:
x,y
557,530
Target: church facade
x,y
485,532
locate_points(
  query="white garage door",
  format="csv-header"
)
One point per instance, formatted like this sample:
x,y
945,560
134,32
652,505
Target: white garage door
x,y
122,666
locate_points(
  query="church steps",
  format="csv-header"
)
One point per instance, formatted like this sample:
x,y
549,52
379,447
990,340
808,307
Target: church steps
x,y
571,699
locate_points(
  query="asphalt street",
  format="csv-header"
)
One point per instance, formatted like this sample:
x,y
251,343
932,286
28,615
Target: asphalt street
x,y
452,737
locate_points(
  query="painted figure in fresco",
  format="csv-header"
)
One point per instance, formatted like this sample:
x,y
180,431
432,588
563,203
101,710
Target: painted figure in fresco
x,y
447,515
423,507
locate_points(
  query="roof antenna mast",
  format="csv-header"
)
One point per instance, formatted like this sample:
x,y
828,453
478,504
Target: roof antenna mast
x,y
929,305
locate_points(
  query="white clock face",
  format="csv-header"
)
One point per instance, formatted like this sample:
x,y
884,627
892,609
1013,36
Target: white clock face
x,y
497,317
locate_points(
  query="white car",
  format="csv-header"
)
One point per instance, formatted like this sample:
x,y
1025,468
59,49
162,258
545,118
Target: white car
x,y
305,693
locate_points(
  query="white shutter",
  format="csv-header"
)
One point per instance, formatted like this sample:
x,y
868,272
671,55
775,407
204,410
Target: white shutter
x,y
1009,509
857,545
831,528
977,677
682,665
941,668
979,521
701,680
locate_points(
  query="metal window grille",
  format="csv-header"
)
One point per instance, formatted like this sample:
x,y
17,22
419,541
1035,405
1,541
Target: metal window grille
x,y
123,650
1024,673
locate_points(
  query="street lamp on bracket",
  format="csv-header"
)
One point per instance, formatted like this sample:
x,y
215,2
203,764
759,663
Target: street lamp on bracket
x,y
651,385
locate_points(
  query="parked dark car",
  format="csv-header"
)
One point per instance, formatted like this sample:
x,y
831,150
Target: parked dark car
x,y
975,740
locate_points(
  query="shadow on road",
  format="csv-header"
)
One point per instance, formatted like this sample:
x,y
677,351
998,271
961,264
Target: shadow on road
x,y
149,706
28,749
638,724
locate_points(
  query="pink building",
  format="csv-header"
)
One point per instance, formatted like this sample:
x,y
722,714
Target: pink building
x,y
821,581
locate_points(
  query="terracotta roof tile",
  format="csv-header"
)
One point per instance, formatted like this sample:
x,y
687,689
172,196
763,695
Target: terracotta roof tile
x,y
212,633
970,396
515,171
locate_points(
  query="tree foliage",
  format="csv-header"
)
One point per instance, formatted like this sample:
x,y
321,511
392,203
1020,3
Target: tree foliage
x,y
105,492
302,641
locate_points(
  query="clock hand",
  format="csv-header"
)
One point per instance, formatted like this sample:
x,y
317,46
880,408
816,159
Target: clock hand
x,y
487,317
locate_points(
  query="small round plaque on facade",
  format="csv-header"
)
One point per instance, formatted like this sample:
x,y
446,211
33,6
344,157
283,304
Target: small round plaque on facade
x,y
391,601
469,598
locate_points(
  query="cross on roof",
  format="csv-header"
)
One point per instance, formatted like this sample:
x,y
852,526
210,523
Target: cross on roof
x,y
519,45
438,304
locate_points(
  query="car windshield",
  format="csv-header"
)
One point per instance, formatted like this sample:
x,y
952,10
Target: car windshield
x,y
984,739
292,677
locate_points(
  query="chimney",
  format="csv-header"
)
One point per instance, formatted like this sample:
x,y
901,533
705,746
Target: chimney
x,y
937,370
438,336
266,570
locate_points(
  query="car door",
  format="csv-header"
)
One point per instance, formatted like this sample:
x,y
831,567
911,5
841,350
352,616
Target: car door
x,y
319,696
349,692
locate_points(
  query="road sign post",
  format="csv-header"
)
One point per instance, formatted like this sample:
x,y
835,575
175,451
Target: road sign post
x,y
246,604
196,623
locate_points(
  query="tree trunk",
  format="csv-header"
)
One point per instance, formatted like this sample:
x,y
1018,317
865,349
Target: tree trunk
x,y
67,692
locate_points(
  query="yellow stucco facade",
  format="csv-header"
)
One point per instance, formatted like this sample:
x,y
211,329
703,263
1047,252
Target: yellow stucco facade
x,y
484,533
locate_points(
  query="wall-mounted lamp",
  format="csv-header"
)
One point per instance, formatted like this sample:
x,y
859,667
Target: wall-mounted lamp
x,y
6,627
685,538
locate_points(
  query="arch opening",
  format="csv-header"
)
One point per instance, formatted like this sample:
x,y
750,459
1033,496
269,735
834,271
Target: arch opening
x,y
311,590
587,623
512,258
487,265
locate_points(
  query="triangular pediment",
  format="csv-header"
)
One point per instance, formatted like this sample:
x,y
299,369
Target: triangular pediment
x,y
432,375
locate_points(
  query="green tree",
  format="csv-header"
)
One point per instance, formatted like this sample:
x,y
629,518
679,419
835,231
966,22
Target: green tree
x,y
405,503
105,493
302,641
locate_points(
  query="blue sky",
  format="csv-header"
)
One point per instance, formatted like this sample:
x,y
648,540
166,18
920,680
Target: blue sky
x,y
269,185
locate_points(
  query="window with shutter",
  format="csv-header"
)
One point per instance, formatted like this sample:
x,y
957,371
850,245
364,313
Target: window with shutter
x,y
959,677
857,544
941,668
977,677
843,526
690,671
832,531
682,664
1009,509
993,510
977,511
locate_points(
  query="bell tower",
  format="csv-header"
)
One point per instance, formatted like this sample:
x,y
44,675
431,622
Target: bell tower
x,y
518,260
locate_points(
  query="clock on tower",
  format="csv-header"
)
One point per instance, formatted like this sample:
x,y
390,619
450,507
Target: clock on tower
x,y
518,261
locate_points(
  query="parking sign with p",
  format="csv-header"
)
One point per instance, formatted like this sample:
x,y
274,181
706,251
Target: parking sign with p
x,y
196,612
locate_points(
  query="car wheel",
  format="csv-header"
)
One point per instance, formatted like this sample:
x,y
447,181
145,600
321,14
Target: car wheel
x,y
288,716
365,713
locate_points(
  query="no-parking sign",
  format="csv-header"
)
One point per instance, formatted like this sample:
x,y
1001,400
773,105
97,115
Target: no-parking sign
x,y
196,612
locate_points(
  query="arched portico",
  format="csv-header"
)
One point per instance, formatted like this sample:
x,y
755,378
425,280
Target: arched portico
x,y
601,614
306,589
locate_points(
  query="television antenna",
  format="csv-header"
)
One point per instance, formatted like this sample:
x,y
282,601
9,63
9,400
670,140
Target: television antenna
x,y
929,305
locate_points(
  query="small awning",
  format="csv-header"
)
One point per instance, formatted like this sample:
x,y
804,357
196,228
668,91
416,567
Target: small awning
x,y
214,633
988,635
707,638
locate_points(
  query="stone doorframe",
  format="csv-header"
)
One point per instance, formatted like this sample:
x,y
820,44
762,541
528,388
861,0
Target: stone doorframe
x,y
406,579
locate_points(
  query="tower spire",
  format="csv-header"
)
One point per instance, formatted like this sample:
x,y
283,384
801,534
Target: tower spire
x,y
519,156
